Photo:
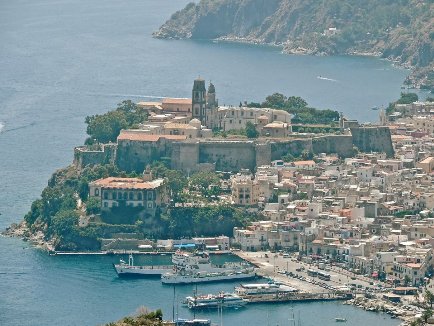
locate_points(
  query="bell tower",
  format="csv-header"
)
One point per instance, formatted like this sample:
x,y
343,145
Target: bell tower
x,y
198,100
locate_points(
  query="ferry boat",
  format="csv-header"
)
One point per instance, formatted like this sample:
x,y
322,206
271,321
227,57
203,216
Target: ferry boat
x,y
256,289
198,269
210,301
128,269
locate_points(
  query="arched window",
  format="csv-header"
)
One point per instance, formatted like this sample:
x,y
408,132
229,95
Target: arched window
x,y
139,196
131,195
105,194
125,195
96,192
119,195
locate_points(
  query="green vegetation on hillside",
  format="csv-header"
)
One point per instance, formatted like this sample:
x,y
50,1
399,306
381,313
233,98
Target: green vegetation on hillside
x,y
153,318
56,213
299,108
401,30
104,128
406,98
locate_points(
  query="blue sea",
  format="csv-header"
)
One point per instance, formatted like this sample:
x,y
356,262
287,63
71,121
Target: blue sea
x,y
61,60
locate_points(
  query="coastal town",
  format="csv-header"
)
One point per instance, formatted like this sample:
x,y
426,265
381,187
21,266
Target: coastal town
x,y
337,207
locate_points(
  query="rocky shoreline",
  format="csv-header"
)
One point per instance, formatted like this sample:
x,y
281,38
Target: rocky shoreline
x,y
406,313
286,48
22,231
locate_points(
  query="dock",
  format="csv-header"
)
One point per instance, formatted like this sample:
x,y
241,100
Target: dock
x,y
114,252
297,297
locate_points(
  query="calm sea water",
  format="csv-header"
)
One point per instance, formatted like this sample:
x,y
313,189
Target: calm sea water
x,y
61,60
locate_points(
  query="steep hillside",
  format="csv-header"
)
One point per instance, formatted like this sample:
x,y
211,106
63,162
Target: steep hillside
x,y
401,30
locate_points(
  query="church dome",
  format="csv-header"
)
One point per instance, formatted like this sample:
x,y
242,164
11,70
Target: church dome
x,y
195,123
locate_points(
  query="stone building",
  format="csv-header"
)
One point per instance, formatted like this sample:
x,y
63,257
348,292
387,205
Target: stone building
x,y
245,190
151,195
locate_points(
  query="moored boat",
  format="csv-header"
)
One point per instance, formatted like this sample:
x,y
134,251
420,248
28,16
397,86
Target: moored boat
x,y
128,269
210,301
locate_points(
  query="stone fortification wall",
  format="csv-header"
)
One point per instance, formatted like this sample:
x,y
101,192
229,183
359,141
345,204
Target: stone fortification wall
x,y
135,155
263,154
339,144
373,139
228,155
293,146
83,156
185,156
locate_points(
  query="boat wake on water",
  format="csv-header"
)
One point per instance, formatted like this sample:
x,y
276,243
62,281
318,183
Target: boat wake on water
x,y
2,125
325,78
127,95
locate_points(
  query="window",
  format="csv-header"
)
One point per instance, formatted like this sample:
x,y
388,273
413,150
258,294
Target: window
x,y
105,195
239,121
131,195
150,195
230,121
105,204
125,195
139,196
149,205
196,111
96,192
251,114
119,195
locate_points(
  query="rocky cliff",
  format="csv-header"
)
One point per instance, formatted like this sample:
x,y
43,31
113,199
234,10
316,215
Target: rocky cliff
x,y
401,30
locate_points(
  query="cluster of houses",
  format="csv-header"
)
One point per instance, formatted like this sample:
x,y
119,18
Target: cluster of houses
x,y
373,214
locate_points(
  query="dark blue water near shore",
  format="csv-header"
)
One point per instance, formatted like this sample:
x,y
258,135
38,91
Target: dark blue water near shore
x,y
61,60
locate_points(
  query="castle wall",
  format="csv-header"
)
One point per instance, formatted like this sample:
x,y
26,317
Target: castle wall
x,y
84,157
228,155
339,144
136,155
263,154
185,156
373,139
294,147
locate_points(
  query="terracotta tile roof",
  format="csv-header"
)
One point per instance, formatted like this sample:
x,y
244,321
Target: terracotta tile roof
x,y
141,136
177,101
126,183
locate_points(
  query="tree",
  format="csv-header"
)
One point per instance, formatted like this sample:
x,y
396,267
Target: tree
x,y
427,314
295,102
93,206
429,297
408,98
202,180
276,101
64,222
251,131
407,280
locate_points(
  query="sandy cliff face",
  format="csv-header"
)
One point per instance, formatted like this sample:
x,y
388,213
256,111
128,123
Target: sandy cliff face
x,y
402,30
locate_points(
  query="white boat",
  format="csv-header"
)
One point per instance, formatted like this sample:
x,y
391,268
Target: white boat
x,y
198,269
340,320
128,269
245,290
221,300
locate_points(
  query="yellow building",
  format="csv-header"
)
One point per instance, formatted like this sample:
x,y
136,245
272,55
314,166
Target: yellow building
x,y
427,165
245,190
